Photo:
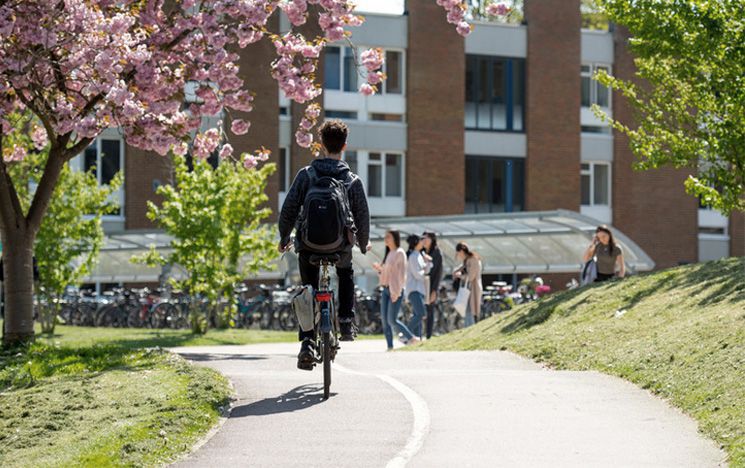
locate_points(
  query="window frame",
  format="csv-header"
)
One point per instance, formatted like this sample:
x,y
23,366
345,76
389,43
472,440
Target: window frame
x,y
590,171
383,88
508,88
363,161
595,84
510,183
286,177
78,164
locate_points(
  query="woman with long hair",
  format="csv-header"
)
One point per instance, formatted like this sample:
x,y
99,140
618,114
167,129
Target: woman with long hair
x,y
435,277
392,274
608,255
418,266
470,273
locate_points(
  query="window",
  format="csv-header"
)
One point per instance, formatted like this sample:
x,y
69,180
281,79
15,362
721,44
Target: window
x,y
394,71
494,185
595,184
342,74
335,114
495,94
382,172
284,111
105,158
592,91
596,129
284,169
386,117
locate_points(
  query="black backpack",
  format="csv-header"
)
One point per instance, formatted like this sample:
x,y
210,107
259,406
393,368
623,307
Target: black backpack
x,y
327,225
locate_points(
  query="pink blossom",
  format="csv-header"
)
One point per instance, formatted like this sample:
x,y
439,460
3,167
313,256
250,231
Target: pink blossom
x,y
206,143
17,154
250,161
497,9
367,90
239,126
464,29
303,139
39,137
226,151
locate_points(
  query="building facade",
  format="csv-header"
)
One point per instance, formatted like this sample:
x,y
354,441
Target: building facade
x,y
497,122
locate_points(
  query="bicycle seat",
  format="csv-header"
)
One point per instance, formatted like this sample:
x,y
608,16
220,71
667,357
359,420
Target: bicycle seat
x,y
317,259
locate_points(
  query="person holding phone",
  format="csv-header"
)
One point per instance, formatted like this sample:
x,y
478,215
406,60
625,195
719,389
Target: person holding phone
x,y
392,274
608,255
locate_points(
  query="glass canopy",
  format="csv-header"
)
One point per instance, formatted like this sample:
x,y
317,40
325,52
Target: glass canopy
x,y
508,243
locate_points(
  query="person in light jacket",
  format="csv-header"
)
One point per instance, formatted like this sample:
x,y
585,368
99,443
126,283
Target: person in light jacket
x,y
419,265
392,274
470,272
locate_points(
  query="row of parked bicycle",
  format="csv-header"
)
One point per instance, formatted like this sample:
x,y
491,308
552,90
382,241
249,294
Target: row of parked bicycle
x,y
263,307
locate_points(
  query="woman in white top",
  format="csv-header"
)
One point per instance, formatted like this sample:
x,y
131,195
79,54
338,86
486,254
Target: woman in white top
x,y
392,275
419,265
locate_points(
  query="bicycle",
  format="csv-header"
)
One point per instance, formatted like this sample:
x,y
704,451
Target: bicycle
x,y
326,326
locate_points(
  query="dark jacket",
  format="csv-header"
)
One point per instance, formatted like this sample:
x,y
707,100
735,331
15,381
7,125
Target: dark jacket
x,y
435,274
290,215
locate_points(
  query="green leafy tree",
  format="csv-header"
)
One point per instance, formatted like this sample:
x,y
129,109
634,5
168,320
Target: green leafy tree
x,y
71,234
689,92
214,216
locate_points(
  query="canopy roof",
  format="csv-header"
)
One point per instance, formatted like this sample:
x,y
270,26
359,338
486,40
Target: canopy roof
x,y
527,242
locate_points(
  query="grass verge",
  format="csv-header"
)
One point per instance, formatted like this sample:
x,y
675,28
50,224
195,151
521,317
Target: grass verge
x,y
679,333
103,406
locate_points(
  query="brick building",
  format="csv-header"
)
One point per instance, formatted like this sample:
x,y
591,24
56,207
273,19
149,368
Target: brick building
x,y
497,122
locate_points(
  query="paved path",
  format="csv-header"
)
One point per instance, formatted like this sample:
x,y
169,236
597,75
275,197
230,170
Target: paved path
x,y
422,409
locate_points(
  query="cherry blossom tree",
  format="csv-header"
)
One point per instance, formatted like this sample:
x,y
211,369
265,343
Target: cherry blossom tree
x,y
81,66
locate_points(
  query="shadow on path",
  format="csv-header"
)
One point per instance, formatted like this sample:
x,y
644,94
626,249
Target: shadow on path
x,y
297,399
206,357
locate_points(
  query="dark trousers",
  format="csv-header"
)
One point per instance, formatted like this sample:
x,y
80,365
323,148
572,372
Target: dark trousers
x,y
309,274
430,319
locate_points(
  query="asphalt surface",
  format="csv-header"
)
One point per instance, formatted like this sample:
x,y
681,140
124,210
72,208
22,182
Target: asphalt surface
x,y
455,409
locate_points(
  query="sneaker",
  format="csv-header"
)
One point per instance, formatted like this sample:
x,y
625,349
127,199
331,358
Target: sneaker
x,y
348,331
306,359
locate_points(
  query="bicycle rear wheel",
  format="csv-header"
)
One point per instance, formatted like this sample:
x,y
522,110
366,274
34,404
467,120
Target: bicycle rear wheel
x,y
326,365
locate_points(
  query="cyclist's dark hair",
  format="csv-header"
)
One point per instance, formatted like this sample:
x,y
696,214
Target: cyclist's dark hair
x,y
333,135
412,240
611,241
396,240
432,236
463,247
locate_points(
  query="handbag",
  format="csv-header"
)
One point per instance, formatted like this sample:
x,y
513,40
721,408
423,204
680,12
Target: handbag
x,y
589,272
461,300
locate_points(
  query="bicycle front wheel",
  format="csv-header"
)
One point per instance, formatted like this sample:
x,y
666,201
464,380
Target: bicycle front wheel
x,y
326,365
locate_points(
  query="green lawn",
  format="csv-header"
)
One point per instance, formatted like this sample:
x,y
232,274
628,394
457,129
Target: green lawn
x,y
679,333
103,406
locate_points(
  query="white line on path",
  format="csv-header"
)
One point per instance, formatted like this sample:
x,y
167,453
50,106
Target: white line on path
x,y
420,409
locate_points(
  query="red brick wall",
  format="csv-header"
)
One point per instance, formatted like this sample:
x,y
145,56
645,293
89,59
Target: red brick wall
x,y
142,170
435,89
255,70
651,206
553,104
737,234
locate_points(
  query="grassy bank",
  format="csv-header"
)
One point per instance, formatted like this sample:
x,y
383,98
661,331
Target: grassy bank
x,y
679,333
103,406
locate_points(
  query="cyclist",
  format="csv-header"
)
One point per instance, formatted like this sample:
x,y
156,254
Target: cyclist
x,y
317,211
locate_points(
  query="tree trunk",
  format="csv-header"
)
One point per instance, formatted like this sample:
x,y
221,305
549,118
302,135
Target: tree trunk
x,y
18,255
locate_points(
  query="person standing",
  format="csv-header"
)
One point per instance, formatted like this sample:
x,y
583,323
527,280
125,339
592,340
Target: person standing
x,y
392,274
470,273
418,266
435,277
608,255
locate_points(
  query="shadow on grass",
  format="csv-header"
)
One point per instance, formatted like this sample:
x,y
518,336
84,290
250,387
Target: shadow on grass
x,y
542,311
297,399
24,367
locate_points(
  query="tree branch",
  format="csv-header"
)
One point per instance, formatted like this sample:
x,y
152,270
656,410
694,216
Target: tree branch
x,y
45,189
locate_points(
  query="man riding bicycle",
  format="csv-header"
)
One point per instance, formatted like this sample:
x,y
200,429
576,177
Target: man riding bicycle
x,y
327,206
